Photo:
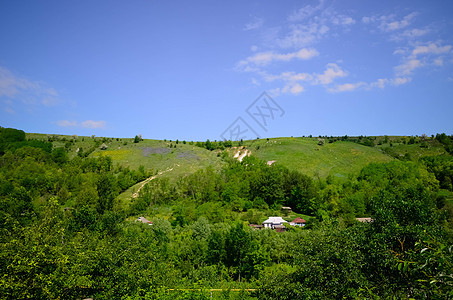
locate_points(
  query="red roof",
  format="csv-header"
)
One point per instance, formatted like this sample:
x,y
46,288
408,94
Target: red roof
x,y
298,221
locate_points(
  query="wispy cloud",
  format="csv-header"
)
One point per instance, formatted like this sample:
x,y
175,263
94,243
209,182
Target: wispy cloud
x,y
302,35
414,33
311,24
288,76
264,58
430,48
346,87
27,91
342,20
379,83
305,12
66,123
420,56
408,67
85,124
93,124
389,23
9,110
292,81
254,24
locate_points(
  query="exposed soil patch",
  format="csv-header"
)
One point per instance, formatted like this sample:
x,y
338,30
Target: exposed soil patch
x,y
241,153
155,150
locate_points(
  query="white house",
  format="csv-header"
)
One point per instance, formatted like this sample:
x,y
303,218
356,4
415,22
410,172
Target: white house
x,y
273,221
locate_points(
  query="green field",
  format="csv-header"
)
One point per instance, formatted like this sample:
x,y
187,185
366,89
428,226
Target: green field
x,y
337,159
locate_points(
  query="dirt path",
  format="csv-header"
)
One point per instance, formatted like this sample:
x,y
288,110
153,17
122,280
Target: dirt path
x,y
144,182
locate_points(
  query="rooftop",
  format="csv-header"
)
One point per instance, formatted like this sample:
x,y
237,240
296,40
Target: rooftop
x,y
275,220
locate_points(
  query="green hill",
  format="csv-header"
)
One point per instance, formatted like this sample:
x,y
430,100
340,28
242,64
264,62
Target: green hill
x,y
338,159
153,155
305,155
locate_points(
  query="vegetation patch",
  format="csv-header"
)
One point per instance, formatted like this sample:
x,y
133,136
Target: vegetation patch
x,y
71,229
155,150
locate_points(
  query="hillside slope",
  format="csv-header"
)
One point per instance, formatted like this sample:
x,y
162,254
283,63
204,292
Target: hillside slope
x,y
305,155
338,159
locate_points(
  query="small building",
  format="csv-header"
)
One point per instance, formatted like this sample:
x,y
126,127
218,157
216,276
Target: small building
x,y
273,221
298,222
144,220
286,209
256,226
280,228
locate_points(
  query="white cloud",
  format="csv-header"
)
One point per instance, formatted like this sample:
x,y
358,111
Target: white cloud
x,y
85,124
342,20
297,89
347,87
255,81
288,76
399,51
412,33
93,124
301,35
387,23
292,81
274,92
10,85
400,80
380,83
407,67
383,82
305,12
294,89
333,71
431,49
420,56
367,20
66,123
30,92
254,48
264,58
439,62
254,24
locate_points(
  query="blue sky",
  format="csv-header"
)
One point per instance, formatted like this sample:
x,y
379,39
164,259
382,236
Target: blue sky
x,y
193,70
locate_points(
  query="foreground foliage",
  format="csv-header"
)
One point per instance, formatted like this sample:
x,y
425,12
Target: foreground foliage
x,y
63,235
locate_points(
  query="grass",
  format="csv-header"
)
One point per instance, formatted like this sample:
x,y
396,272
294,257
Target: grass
x,y
415,151
337,159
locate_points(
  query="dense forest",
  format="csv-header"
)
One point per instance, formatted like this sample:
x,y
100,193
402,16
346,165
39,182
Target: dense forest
x,y
65,235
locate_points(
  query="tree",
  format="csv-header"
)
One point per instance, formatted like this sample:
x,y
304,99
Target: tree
x,y
237,246
107,191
